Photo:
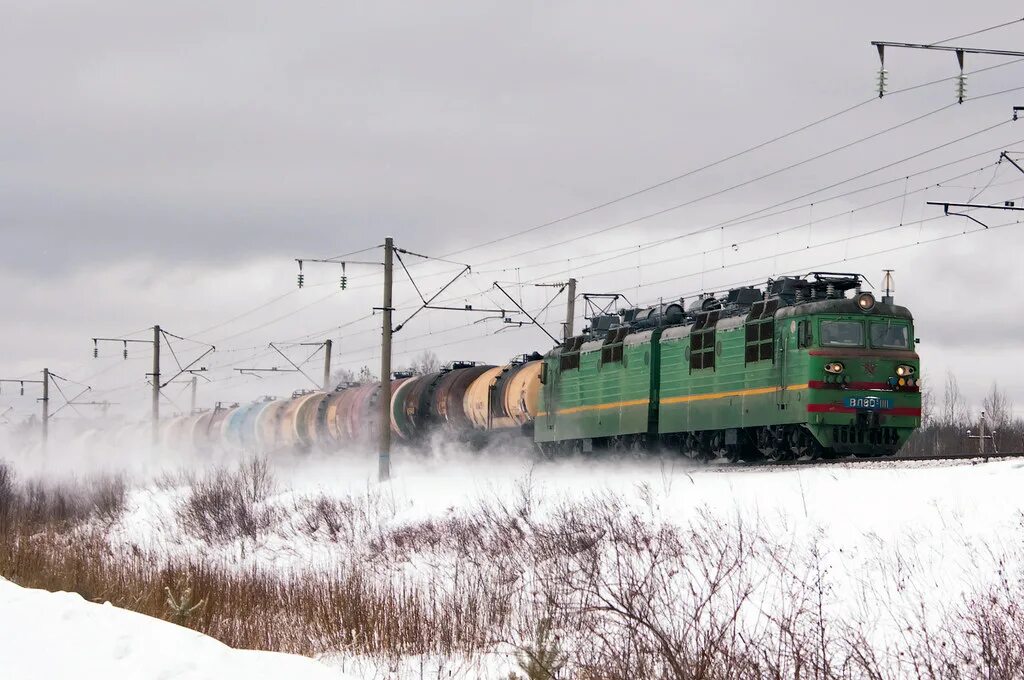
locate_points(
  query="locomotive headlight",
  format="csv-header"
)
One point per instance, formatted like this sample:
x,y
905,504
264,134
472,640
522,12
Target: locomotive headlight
x,y
904,370
865,301
833,367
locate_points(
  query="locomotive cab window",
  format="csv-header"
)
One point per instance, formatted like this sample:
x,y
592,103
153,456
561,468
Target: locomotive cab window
x,y
804,336
889,335
842,334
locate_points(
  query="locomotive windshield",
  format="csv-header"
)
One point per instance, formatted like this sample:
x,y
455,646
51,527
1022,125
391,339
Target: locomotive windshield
x,y
889,336
842,334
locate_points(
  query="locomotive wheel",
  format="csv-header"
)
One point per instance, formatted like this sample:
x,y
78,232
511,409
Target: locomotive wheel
x,y
546,450
692,447
771,445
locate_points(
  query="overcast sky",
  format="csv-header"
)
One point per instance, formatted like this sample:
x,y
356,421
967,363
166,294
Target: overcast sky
x,y
166,163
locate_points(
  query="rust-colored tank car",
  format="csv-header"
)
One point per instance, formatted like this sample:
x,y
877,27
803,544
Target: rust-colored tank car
x,y
416,404
364,416
207,433
336,419
448,396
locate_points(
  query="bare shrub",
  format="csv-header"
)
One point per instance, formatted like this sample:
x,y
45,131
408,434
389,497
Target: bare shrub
x,y
8,495
225,506
339,519
109,497
590,588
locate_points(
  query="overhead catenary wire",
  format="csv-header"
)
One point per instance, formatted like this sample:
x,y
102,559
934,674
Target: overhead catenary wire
x,y
720,161
607,203
978,32
719,192
364,250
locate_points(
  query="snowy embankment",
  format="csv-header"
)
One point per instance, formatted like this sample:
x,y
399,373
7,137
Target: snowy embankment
x,y
60,635
946,510
462,563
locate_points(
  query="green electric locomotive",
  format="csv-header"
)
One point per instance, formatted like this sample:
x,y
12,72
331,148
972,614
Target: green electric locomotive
x,y
807,367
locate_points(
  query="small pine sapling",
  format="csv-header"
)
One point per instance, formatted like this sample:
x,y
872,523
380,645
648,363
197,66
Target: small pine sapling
x,y
543,659
180,609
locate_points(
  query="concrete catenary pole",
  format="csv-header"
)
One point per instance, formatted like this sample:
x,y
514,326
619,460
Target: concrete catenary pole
x,y
195,381
570,308
384,460
156,384
328,346
46,405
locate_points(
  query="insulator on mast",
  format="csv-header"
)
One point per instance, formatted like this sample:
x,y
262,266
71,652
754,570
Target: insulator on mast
x,y
961,80
301,277
95,349
883,75
126,351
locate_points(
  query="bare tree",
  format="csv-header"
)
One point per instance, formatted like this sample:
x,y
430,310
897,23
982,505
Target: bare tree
x,y
366,375
927,405
954,406
343,375
998,408
426,362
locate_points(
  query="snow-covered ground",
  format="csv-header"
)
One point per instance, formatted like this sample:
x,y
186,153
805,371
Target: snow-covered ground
x,y
946,509
60,636
887,533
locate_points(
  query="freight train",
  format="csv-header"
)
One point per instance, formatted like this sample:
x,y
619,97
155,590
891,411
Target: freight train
x,y
803,367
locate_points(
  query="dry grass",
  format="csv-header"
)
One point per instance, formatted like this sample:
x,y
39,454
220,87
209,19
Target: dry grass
x,y
593,588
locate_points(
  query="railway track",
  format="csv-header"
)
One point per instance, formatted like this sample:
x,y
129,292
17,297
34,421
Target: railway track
x,y
966,457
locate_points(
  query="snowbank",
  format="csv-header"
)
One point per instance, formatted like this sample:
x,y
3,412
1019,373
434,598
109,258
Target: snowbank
x,y
60,635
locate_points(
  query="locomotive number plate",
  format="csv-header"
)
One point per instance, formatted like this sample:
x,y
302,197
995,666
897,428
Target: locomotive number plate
x,y
869,403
